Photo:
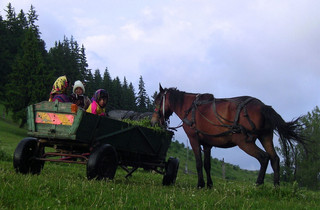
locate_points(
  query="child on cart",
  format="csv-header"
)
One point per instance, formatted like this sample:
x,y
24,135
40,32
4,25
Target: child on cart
x,y
59,90
78,97
99,103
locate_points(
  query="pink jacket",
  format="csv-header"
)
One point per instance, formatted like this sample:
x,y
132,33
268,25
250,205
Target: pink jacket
x,y
94,108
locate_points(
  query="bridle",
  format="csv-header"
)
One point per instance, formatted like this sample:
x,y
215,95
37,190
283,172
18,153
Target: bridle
x,y
157,109
163,104
162,118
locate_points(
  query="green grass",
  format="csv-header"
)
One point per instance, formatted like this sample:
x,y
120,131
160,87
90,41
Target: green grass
x,y
65,186
145,122
62,186
10,136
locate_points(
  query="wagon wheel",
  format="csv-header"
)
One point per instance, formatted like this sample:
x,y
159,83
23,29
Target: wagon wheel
x,y
102,163
24,158
171,171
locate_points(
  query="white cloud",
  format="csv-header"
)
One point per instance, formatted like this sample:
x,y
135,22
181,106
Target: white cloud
x,y
132,31
100,42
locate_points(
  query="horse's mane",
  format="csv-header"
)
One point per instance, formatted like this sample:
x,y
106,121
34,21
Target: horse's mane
x,y
176,97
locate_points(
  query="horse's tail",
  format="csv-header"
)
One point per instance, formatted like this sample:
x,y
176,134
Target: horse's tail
x,y
287,131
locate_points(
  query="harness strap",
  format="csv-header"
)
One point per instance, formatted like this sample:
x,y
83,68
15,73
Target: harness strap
x,y
219,117
194,106
234,128
253,126
239,108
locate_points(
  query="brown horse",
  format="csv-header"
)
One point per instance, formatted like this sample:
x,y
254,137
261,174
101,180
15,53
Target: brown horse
x,y
226,123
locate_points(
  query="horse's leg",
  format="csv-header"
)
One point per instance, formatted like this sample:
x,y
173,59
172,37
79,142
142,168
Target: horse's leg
x,y
252,149
207,164
267,143
197,154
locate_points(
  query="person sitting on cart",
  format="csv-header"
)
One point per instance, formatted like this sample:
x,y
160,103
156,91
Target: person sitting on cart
x,y
59,90
78,97
99,103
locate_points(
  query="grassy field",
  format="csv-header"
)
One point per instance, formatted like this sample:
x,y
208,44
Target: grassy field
x,y
64,186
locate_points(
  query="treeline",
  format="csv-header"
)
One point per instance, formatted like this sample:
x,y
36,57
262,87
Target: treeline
x,y
28,70
300,165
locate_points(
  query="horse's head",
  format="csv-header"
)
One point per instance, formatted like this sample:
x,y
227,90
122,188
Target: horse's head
x,y
162,110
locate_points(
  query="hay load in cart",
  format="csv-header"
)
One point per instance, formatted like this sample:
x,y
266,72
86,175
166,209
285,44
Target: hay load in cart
x,y
101,143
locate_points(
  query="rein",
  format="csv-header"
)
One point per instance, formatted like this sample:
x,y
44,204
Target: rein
x,y
175,128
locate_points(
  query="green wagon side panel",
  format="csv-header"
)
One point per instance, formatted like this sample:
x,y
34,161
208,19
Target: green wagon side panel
x,y
47,129
134,139
44,122
53,107
30,118
123,136
87,127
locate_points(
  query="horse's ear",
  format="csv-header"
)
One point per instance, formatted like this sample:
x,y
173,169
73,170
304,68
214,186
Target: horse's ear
x,y
160,88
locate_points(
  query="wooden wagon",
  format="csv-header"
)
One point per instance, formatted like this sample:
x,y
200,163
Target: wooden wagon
x,y
101,143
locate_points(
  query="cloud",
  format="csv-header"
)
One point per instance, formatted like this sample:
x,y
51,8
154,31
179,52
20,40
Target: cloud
x,y
132,31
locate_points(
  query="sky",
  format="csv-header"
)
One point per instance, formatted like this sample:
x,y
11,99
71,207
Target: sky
x,y
268,49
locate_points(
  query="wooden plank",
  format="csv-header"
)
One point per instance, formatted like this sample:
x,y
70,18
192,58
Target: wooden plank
x,y
46,135
53,107
76,122
30,119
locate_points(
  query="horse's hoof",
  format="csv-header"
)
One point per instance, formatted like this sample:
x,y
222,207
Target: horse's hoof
x,y
276,185
209,186
200,186
259,184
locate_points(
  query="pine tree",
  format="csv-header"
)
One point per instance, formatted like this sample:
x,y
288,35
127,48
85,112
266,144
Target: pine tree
x,y
83,65
97,79
32,18
154,96
66,58
4,58
56,61
11,36
142,98
132,98
22,21
89,85
128,102
107,81
27,62
149,105
116,95
30,70
74,61
124,90
12,23
16,30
